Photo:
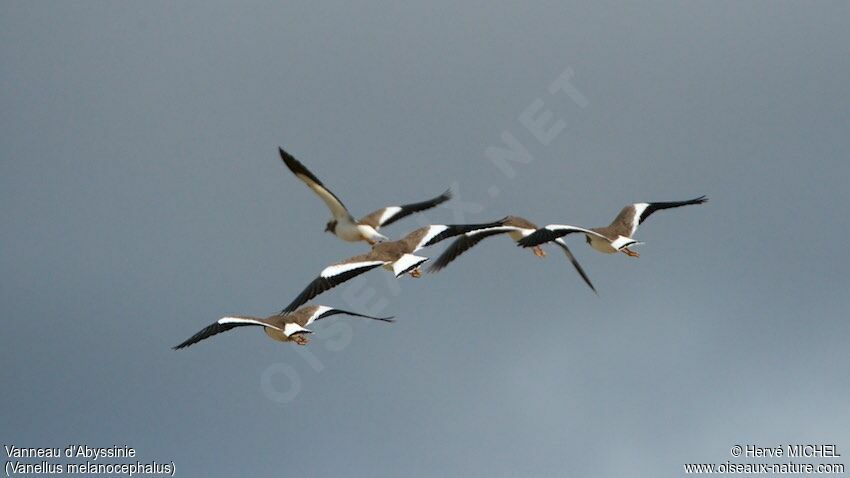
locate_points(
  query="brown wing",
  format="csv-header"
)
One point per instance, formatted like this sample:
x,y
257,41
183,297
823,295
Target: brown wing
x,y
390,214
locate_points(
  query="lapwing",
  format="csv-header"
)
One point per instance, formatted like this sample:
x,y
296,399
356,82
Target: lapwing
x,y
616,237
516,228
291,327
343,225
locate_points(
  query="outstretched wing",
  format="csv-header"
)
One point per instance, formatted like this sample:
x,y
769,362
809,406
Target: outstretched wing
x,y
466,242
563,245
634,214
430,235
222,325
552,232
324,311
388,215
658,206
338,209
333,276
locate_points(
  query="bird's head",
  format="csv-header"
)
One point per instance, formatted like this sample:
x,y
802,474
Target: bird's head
x,y
330,226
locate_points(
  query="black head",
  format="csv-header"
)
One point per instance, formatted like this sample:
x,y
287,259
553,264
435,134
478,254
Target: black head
x,y
331,226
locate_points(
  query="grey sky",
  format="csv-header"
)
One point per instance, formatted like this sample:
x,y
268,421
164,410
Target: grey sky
x,y
143,199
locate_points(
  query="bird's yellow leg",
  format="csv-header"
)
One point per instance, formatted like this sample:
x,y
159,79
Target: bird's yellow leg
x,y
300,339
629,252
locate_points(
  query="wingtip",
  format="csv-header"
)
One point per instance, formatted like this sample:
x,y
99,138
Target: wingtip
x,y
293,164
283,154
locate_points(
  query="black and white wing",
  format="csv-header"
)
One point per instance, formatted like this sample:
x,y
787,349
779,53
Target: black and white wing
x,y
323,311
333,276
563,245
641,211
388,215
466,242
222,325
338,210
407,263
430,235
552,232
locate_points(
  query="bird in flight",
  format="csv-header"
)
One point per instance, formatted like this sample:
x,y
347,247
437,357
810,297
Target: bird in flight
x,y
343,225
284,328
516,228
396,256
615,237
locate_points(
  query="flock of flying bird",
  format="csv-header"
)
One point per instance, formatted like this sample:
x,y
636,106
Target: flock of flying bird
x,y
290,324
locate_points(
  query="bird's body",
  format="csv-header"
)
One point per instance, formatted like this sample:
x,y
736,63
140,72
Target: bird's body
x,y
523,226
604,245
623,226
351,231
344,225
284,328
